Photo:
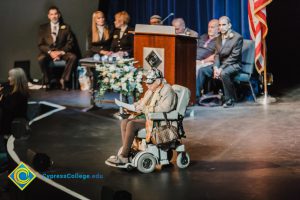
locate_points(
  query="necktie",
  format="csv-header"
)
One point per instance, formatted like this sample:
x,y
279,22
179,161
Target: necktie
x,y
54,33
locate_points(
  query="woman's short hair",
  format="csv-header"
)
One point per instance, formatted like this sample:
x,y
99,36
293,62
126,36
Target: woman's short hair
x,y
124,16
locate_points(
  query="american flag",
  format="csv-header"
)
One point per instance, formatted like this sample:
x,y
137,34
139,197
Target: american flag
x,y
257,16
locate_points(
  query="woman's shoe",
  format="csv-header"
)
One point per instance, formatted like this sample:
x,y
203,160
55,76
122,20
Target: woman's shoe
x,y
118,160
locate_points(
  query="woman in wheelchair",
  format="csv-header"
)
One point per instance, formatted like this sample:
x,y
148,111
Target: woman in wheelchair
x,y
160,97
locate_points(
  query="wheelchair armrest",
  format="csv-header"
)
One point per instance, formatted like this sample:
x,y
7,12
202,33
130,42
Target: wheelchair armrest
x,y
173,115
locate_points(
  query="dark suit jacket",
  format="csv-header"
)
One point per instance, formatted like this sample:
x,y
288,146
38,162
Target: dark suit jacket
x,y
204,52
230,53
122,44
96,47
64,40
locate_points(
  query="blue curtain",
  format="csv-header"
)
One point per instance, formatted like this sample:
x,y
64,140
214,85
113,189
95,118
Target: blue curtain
x,y
196,13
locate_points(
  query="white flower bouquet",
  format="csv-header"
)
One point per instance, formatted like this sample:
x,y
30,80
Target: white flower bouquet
x,y
120,76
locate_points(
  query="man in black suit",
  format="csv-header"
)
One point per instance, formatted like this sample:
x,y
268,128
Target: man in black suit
x,y
56,42
228,59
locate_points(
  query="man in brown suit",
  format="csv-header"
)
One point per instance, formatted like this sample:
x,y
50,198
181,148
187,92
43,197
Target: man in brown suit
x,y
56,42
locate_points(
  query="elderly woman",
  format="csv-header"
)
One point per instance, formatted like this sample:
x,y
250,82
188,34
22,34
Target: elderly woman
x,y
99,38
122,41
159,97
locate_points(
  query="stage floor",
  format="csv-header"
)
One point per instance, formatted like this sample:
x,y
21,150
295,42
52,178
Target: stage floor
x,y
246,152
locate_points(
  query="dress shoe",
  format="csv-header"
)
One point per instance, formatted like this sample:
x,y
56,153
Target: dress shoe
x,y
229,103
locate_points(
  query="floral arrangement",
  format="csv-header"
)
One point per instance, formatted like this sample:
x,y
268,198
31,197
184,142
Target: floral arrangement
x,y
120,76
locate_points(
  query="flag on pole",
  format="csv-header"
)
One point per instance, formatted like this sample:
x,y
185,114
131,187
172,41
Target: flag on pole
x,y
257,16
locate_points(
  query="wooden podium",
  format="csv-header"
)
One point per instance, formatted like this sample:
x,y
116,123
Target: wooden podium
x,y
178,57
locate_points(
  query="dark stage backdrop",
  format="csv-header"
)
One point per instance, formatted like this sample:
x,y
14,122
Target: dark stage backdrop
x,y
283,43
196,13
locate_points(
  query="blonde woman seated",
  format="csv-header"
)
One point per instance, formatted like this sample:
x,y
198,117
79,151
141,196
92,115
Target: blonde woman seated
x,y
99,38
159,97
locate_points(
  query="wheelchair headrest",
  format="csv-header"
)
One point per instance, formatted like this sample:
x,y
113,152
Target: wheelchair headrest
x,y
183,98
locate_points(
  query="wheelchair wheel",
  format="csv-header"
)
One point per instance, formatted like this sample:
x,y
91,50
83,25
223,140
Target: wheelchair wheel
x,y
183,160
146,163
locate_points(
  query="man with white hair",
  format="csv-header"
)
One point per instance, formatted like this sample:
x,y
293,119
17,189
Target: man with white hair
x,y
181,29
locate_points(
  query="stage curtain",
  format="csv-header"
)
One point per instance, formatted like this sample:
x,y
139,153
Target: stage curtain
x,y
196,13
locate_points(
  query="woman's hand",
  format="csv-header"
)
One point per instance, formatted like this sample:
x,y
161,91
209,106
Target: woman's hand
x,y
138,108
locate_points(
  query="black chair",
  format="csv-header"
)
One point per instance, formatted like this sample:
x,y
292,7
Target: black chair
x,y
248,57
60,65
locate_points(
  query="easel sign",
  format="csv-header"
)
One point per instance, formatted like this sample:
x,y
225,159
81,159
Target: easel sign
x,y
154,57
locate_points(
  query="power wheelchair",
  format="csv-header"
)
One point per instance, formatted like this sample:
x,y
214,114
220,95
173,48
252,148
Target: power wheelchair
x,y
147,156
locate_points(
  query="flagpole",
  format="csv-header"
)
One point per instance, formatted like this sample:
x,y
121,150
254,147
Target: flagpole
x,y
266,99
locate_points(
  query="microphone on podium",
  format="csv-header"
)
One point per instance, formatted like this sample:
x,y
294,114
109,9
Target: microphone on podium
x,y
171,14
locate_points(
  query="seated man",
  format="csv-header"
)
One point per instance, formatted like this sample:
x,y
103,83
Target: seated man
x,y
159,97
228,59
180,28
205,55
155,20
56,42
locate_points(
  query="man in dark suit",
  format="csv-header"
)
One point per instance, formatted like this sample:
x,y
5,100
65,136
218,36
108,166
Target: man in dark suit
x,y
228,59
56,42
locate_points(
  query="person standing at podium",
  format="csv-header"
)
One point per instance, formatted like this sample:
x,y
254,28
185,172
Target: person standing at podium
x,y
99,37
181,29
122,41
